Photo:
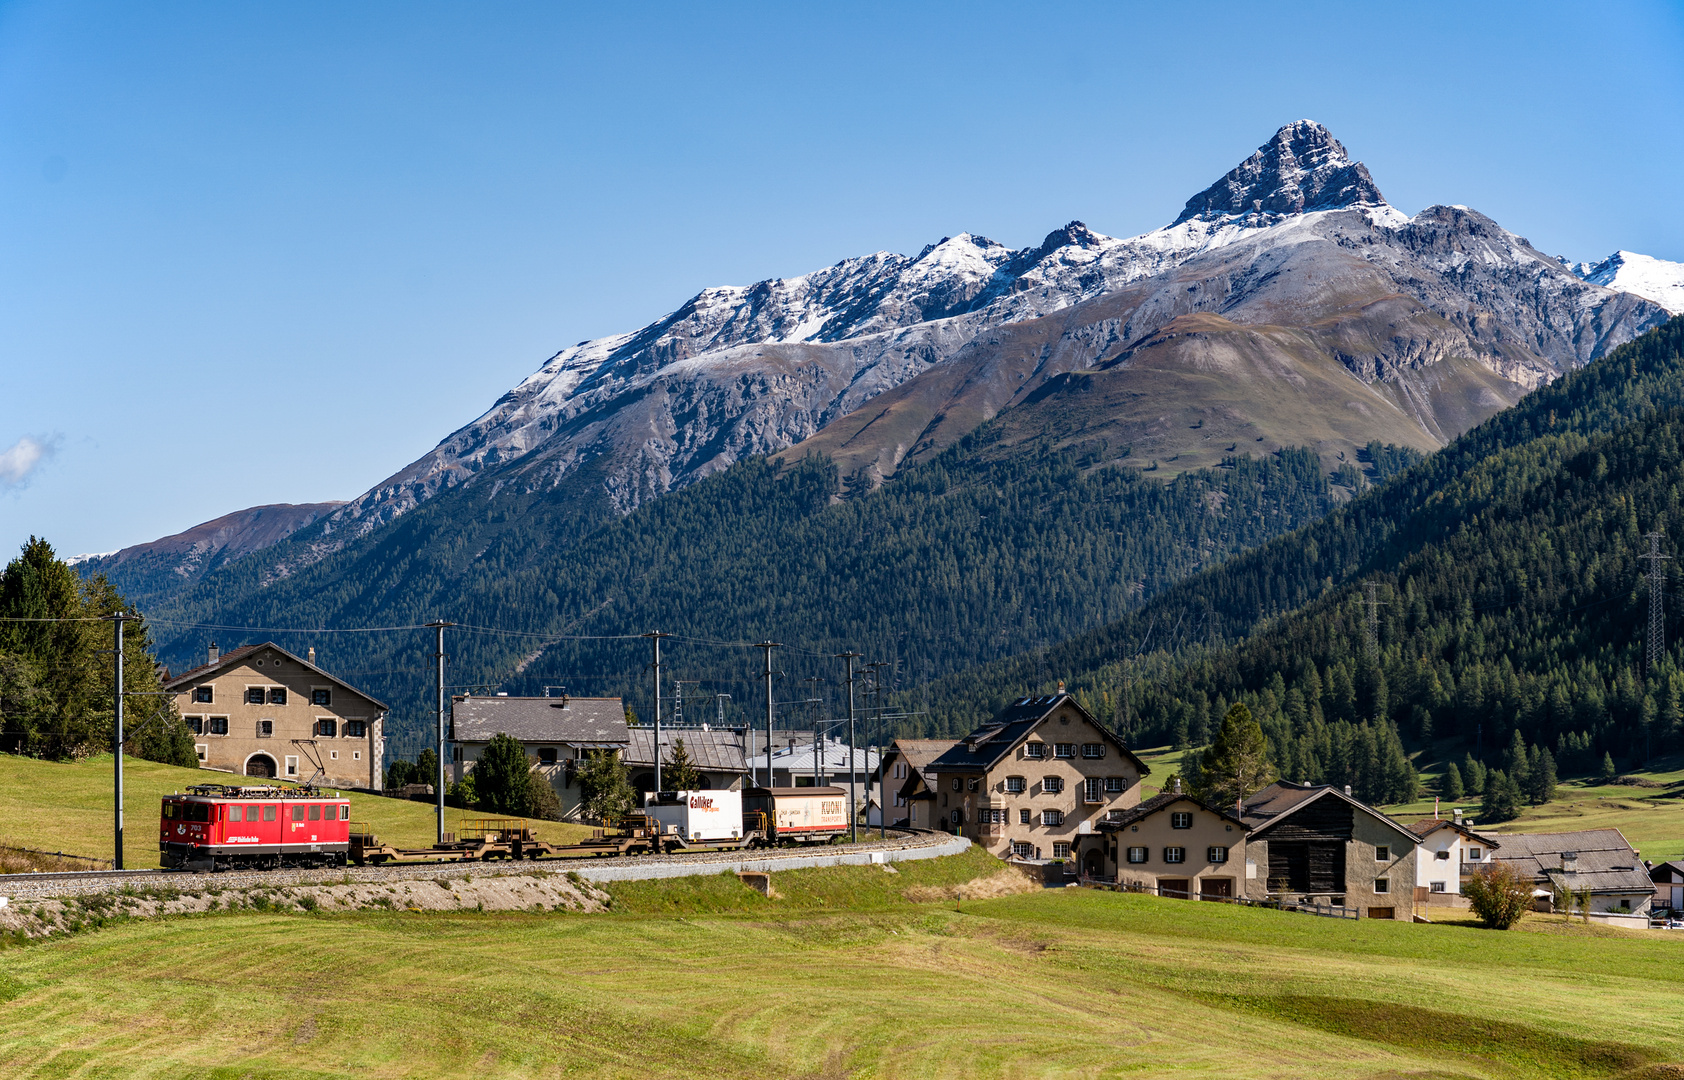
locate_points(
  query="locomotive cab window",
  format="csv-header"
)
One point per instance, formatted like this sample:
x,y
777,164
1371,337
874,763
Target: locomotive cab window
x,y
345,812
195,811
170,809
315,812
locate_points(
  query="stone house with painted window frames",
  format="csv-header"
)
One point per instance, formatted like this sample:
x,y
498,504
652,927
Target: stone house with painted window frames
x,y
1035,782
1177,846
261,711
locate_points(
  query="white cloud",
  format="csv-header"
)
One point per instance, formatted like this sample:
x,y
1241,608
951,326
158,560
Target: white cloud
x,y
20,460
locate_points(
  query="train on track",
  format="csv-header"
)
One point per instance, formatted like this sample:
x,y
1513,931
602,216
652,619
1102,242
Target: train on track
x,y
262,827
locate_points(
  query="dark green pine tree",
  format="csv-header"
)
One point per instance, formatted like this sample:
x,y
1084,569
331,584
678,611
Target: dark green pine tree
x,y
1450,785
1502,798
1237,762
1516,761
1542,776
678,772
1607,772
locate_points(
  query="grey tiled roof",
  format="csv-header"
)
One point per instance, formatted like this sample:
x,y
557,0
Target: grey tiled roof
x,y
982,748
714,750
1603,861
568,721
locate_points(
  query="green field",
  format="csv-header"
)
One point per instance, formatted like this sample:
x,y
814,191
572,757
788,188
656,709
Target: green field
x,y
60,806
842,976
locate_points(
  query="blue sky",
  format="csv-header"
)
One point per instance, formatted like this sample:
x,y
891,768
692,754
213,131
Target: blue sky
x,y
257,253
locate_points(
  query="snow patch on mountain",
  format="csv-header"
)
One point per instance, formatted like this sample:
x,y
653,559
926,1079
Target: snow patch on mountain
x,y
1651,278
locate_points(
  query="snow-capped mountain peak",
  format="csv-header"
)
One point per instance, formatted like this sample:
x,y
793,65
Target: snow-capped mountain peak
x,y
1301,170
743,370
1651,278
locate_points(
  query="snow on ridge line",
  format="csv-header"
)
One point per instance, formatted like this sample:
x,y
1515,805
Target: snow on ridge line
x,y
1643,275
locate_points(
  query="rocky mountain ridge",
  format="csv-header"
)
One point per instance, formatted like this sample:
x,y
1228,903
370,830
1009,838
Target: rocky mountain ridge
x,y
1287,304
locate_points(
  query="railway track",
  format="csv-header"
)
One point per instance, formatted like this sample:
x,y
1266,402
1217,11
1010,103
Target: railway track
x,y
77,882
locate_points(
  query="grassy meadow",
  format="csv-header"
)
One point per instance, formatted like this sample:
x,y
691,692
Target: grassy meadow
x,y
842,973
63,806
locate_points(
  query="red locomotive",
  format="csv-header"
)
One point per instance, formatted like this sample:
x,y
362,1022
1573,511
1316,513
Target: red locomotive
x,y
219,827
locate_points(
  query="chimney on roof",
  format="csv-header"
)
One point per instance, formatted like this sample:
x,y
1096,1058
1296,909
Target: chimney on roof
x,y
1061,686
311,656
1347,791
1178,785
212,653
1458,814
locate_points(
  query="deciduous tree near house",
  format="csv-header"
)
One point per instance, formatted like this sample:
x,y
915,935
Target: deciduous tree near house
x,y
605,790
541,800
503,776
1499,894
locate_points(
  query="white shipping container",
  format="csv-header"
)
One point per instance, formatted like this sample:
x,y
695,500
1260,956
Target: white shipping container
x,y
698,815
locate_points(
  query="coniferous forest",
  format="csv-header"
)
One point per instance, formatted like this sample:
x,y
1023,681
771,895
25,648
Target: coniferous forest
x,y
964,559
1509,607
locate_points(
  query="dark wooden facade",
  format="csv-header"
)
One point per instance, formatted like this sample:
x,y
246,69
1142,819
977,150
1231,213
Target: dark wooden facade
x,y
1307,851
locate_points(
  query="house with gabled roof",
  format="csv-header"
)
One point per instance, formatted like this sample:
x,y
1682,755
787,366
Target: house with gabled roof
x,y
1599,862
1317,844
1450,850
1178,846
1668,879
909,786
557,733
1034,782
259,710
